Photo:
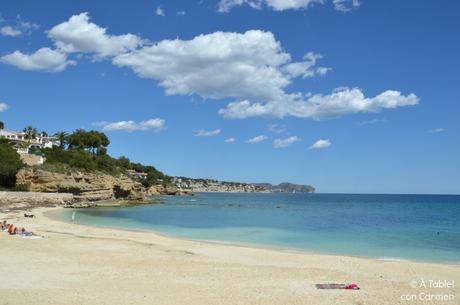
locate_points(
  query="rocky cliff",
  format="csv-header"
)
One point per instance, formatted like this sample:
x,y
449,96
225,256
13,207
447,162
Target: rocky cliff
x,y
85,187
167,190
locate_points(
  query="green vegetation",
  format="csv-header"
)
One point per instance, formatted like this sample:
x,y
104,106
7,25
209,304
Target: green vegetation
x,y
30,132
61,136
2,125
87,151
9,166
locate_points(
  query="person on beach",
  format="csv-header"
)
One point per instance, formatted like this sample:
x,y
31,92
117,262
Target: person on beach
x,y
73,217
11,229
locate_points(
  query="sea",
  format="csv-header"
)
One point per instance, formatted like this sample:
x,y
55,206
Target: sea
x,y
386,227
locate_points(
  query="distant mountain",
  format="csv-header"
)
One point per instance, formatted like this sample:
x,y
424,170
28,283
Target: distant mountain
x,y
287,187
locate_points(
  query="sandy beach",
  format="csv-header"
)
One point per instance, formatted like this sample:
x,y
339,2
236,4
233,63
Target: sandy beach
x,y
75,264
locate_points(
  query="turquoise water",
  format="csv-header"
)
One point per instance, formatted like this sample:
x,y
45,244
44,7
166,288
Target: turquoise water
x,y
417,227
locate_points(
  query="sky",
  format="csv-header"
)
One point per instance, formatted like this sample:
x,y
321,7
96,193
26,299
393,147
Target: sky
x,y
350,96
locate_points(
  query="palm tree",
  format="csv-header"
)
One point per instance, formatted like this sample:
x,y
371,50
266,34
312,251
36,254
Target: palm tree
x,y
30,132
62,137
44,134
2,125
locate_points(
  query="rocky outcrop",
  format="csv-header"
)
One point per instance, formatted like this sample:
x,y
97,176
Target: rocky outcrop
x,y
85,187
168,190
29,199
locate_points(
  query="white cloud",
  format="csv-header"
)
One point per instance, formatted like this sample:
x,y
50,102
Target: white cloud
x,y
180,13
305,68
250,65
3,107
78,34
45,59
21,27
8,30
320,144
154,125
282,143
340,102
282,5
160,12
206,133
346,5
323,70
276,128
436,130
230,140
257,139
277,5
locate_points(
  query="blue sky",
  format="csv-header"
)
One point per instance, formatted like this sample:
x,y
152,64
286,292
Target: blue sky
x,y
349,96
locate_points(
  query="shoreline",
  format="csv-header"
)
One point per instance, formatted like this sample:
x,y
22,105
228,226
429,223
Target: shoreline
x,y
117,266
253,246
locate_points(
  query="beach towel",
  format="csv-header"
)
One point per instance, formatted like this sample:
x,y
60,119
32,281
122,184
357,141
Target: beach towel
x,y
337,286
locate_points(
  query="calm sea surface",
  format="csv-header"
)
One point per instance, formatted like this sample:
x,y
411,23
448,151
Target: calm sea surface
x,y
419,227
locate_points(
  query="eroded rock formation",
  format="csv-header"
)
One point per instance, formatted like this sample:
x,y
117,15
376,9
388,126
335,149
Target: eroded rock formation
x,y
83,186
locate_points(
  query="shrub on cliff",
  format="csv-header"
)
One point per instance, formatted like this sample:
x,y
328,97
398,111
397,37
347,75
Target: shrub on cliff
x,y
10,164
87,150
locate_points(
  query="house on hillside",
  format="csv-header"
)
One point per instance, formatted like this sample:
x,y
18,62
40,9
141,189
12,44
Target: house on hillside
x,y
21,138
23,145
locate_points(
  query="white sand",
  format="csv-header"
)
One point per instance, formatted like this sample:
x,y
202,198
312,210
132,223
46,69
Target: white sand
x,y
76,264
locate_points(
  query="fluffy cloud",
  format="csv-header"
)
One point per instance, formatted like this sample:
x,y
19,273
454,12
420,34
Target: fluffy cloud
x,y
250,65
320,144
251,68
78,34
282,143
306,68
277,5
230,140
160,12
206,133
3,107
346,5
340,102
45,59
8,30
257,139
154,125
